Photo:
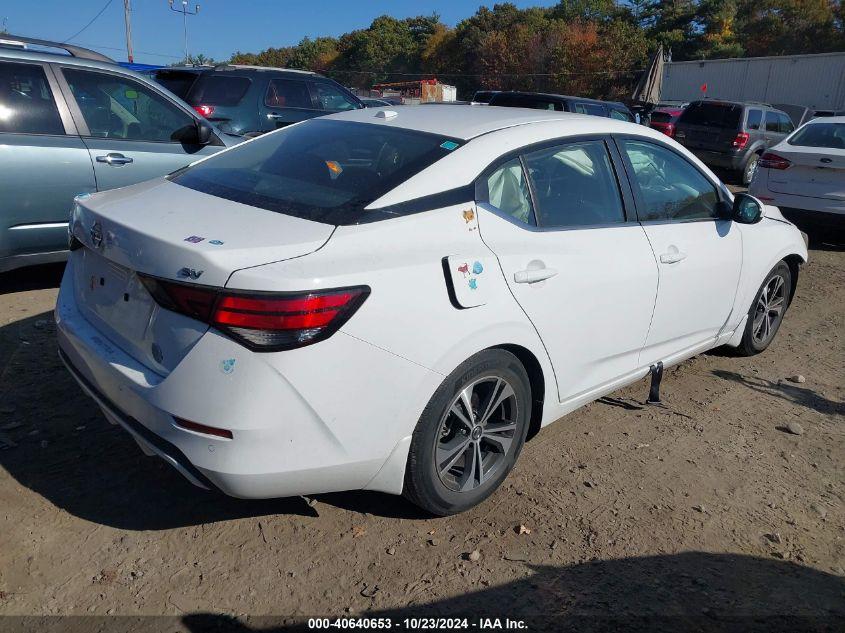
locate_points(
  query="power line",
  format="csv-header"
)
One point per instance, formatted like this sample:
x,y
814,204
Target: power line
x,y
94,19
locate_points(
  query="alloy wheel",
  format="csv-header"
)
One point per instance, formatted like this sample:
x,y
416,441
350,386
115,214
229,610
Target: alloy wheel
x,y
769,310
476,433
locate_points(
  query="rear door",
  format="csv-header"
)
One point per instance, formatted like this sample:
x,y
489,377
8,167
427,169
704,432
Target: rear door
x,y
43,162
582,272
287,101
698,255
129,127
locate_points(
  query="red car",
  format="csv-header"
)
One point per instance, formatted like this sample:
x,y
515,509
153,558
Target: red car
x,y
664,120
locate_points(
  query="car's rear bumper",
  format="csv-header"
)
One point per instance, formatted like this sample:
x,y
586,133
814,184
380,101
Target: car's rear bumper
x,y
724,160
320,419
801,210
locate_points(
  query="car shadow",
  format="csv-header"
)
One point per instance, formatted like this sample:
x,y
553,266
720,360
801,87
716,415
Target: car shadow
x,y
55,441
32,278
792,393
691,591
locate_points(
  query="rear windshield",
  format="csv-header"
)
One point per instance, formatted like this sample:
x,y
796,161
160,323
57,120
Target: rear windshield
x,y
718,115
321,170
176,81
218,90
525,101
661,117
830,135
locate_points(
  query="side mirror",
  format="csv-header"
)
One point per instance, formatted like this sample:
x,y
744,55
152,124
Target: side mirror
x,y
203,133
197,134
747,209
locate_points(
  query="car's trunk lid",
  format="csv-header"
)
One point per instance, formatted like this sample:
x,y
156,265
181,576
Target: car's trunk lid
x,y
815,172
168,231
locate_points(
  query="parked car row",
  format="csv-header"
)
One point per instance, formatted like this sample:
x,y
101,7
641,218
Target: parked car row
x,y
74,124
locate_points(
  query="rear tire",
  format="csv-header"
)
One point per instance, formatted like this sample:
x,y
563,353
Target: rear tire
x,y
750,169
462,448
767,311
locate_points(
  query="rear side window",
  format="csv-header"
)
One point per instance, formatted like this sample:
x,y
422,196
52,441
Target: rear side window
x,y
507,190
218,90
591,108
26,102
321,170
178,82
753,120
831,135
772,122
287,93
716,115
661,117
525,101
574,185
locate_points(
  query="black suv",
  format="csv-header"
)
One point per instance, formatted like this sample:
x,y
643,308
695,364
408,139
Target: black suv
x,y
730,134
251,100
562,103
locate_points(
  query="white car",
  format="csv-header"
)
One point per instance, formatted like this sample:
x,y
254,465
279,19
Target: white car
x,y
804,175
393,300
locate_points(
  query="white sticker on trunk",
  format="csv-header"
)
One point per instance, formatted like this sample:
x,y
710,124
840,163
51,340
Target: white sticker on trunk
x,y
469,275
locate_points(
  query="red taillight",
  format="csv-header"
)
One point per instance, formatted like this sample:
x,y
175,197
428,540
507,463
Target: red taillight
x,y
740,141
204,110
202,428
669,130
262,321
773,161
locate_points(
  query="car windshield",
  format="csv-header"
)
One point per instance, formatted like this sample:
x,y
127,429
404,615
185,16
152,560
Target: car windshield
x,y
321,170
830,135
719,115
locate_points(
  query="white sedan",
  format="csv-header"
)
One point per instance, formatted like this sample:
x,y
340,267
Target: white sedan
x,y
394,300
804,175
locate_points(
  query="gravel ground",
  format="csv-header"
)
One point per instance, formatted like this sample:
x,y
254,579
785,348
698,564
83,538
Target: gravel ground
x,y
702,511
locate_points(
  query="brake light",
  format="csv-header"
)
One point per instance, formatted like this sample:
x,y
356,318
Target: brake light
x,y
261,321
773,161
669,130
204,110
740,141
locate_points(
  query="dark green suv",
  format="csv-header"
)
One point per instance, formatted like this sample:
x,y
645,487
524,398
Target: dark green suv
x,y
251,100
730,134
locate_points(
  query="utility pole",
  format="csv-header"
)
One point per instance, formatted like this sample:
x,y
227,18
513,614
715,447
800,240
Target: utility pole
x,y
185,13
127,10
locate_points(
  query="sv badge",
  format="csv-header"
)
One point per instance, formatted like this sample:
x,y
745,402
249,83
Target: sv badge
x,y
189,273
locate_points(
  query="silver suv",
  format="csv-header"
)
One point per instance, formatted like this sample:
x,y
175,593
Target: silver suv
x,y
75,123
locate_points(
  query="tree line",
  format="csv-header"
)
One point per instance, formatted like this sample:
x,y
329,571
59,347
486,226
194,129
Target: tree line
x,y
589,47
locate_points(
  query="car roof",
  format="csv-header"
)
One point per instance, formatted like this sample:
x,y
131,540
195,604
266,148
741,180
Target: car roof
x,y
462,122
745,104
827,119
66,60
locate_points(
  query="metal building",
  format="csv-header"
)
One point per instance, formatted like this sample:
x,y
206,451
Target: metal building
x,y
814,81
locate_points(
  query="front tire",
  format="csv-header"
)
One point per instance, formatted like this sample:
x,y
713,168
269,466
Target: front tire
x,y
470,434
767,311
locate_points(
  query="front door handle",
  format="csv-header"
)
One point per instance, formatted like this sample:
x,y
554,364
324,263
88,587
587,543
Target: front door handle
x,y
672,256
114,159
533,275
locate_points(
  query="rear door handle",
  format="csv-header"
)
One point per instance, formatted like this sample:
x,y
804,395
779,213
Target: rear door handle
x,y
533,275
114,159
672,256
275,116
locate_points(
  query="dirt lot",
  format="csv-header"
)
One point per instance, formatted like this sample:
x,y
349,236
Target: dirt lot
x,y
704,510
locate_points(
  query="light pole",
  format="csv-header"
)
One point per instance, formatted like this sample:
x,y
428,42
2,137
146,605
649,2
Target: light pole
x,y
185,13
